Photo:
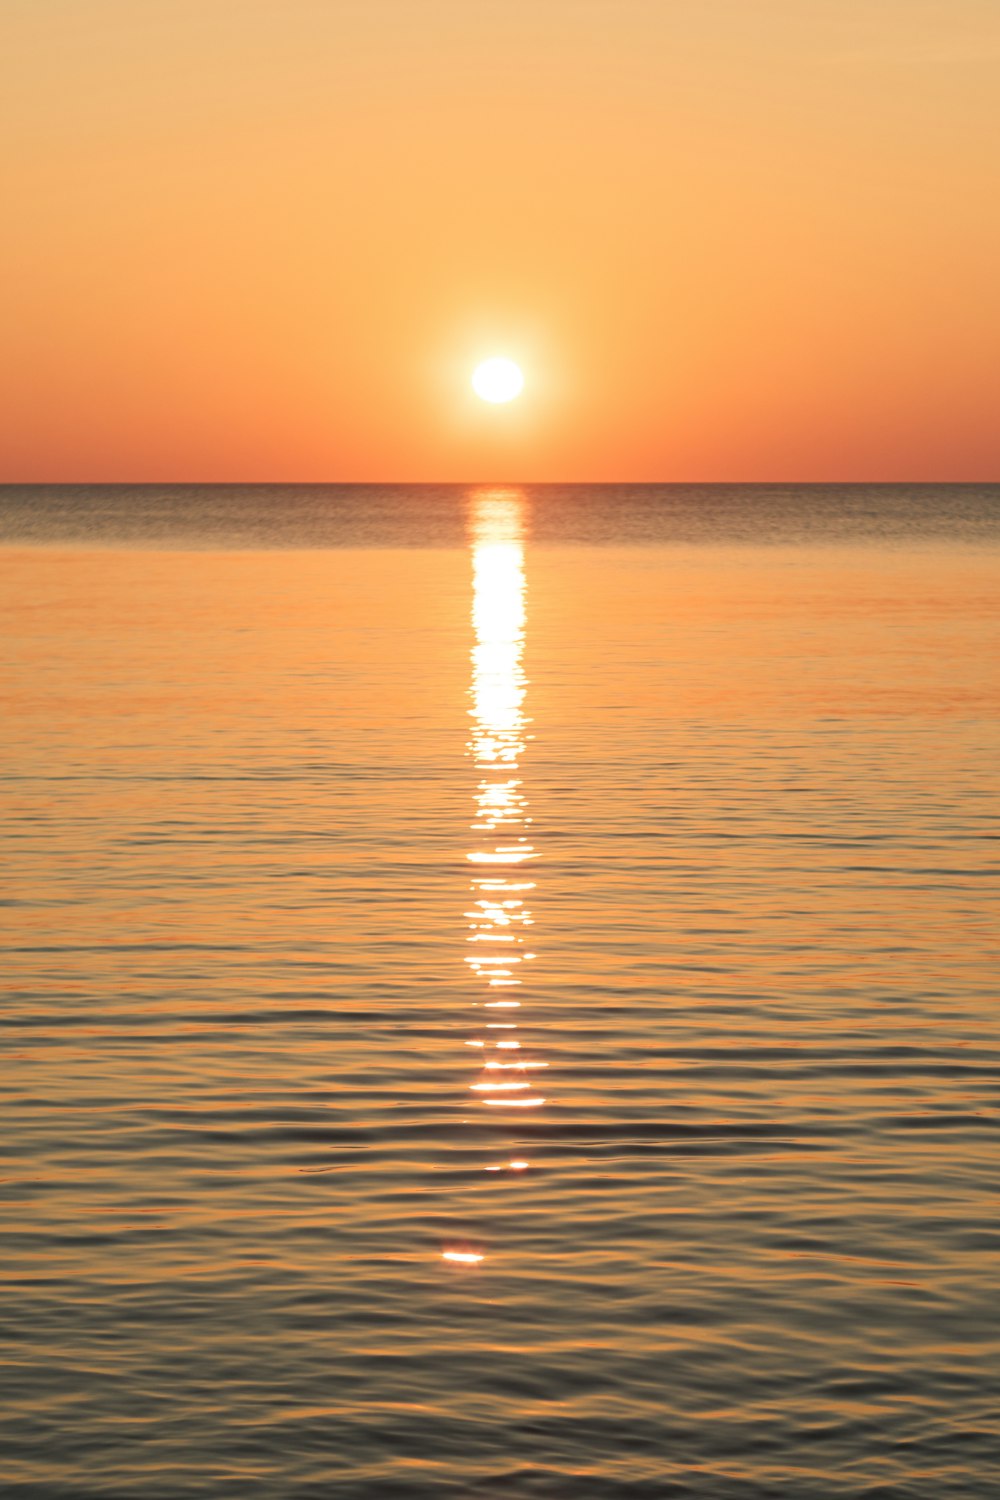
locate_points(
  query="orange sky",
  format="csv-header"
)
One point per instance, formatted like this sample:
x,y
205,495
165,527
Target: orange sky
x,y
726,239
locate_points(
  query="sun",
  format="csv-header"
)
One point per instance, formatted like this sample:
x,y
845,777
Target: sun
x,y
497,380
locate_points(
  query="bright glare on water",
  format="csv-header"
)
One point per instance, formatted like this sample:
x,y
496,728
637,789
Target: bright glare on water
x,y
500,993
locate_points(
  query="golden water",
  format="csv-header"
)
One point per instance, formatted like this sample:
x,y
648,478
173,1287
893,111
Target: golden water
x,y
510,1016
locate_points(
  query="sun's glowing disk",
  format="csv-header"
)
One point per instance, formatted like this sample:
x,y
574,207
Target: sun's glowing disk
x,y
497,380
463,1257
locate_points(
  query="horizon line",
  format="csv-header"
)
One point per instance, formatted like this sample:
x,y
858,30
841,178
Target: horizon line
x,y
478,483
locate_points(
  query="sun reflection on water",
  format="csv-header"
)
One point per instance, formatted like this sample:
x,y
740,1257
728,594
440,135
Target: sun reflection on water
x,y
499,912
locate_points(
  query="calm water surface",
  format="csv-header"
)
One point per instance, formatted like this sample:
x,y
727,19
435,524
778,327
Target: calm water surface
x,y
500,993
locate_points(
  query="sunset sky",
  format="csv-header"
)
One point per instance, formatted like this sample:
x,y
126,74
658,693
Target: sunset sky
x,y
724,239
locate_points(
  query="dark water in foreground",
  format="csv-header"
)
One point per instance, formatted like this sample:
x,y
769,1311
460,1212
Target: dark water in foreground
x,y
499,993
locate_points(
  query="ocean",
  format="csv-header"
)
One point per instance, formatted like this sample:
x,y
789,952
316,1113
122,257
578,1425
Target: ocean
x,y
499,992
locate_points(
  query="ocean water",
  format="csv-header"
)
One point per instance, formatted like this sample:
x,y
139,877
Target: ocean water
x,y
499,993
